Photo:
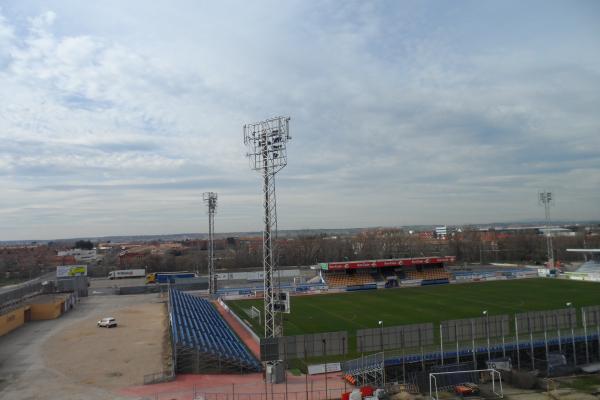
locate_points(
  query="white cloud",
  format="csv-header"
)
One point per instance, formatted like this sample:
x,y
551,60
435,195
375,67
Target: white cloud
x,y
127,119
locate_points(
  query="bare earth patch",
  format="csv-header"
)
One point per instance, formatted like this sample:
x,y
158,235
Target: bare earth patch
x,y
111,358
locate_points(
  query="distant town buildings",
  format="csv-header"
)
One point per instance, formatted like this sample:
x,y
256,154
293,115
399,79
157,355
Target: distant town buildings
x,y
441,232
80,256
134,255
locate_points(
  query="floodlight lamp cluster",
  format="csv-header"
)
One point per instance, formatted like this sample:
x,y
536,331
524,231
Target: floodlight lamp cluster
x,y
545,197
267,144
210,198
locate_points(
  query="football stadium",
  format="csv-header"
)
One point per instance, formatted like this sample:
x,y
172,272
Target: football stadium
x,y
379,322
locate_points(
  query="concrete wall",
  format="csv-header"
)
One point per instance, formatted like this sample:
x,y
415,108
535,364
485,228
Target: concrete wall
x,y
12,320
47,308
44,311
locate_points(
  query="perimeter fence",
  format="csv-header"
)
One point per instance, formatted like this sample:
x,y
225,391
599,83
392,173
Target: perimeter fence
x,y
559,325
268,394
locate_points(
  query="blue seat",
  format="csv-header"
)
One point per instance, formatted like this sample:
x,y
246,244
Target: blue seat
x,y
196,323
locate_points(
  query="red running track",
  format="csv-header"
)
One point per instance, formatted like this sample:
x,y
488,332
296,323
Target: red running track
x,y
240,330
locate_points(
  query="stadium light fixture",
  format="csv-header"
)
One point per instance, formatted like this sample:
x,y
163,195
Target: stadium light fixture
x,y
546,199
267,152
487,332
382,350
210,198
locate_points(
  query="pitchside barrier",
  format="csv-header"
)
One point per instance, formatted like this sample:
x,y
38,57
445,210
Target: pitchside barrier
x,y
394,337
304,346
537,321
475,328
541,332
591,315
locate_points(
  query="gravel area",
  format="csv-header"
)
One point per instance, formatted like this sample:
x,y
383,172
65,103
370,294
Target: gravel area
x,y
71,358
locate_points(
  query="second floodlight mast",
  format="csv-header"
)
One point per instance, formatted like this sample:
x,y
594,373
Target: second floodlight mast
x,y
210,198
545,198
267,152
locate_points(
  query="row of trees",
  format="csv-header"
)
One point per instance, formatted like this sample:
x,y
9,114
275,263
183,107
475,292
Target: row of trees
x,y
25,263
468,247
520,249
312,249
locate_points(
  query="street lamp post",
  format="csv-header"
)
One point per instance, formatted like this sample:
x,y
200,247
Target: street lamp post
x,y
569,305
487,333
362,357
584,321
382,351
324,352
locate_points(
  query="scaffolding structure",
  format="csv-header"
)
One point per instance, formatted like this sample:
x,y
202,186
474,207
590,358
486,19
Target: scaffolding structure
x,y
210,198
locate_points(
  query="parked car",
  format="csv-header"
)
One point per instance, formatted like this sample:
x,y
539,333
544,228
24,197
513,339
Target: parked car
x,y
108,322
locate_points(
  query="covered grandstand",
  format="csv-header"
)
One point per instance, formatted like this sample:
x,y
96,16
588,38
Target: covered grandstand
x,y
590,269
370,274
202,340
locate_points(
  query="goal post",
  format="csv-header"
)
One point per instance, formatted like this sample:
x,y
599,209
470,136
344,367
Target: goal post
x,y
442,380
255,313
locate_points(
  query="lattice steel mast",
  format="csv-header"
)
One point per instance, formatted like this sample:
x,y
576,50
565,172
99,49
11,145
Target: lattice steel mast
x,y
545,198
210,198
266,141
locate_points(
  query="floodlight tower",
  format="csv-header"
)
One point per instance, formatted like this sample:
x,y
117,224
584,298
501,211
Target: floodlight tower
x,y
545,198
267,152
210,198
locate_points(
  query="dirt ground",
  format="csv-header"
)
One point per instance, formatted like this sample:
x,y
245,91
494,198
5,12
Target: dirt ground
x,y
111,357
71,358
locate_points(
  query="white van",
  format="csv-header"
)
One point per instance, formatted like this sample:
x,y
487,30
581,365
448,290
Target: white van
x,y
108,322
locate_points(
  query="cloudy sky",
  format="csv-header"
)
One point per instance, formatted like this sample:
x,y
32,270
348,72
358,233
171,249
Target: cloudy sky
x,y
116,115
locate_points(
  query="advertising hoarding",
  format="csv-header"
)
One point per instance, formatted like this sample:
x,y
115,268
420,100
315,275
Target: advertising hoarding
x,y
67,271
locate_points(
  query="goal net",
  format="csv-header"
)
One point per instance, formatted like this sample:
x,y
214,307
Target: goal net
x,y
254,313
440,382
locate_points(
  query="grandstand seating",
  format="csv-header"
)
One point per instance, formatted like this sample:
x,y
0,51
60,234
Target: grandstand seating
x,y
389,274
342,279
196,325
377,277
427,274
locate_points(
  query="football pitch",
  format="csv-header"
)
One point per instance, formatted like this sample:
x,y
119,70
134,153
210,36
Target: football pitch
x,y
363,309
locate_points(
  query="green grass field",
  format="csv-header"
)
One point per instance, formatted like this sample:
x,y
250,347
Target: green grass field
x,y
355,310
